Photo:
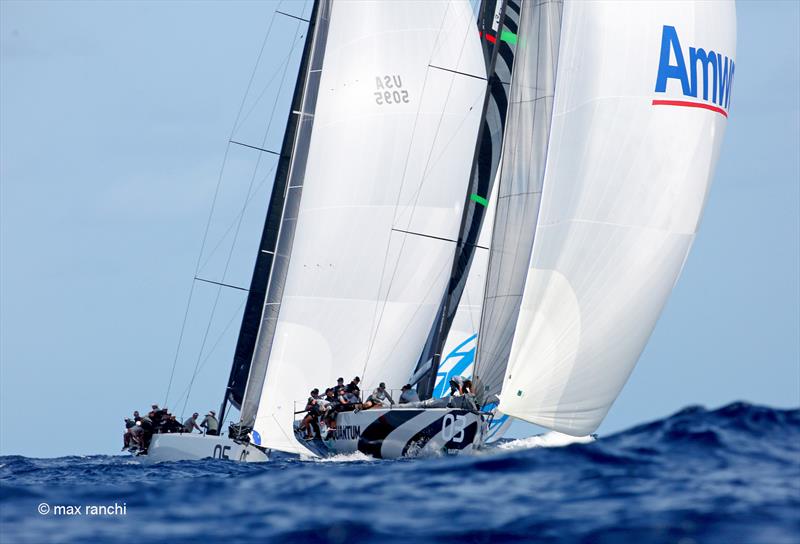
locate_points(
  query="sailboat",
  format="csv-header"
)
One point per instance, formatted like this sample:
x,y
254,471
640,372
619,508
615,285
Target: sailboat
x,y
615,119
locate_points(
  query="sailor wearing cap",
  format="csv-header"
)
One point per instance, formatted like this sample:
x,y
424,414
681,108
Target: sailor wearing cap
x,y
210,423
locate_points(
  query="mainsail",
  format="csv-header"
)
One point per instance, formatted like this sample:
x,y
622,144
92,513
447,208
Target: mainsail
x,y
394,103
631,154
520,186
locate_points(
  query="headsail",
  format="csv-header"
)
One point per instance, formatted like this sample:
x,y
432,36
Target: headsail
x,y
456,326
372,239
519,192
642,97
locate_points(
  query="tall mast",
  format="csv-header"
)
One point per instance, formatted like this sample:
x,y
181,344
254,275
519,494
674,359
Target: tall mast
x,y
251,319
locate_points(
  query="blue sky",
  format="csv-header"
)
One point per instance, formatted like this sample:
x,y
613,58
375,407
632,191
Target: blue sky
x,y
114,119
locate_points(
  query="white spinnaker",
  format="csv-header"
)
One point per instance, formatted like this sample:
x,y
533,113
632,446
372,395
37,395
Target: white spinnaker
x,y
624,189
361,292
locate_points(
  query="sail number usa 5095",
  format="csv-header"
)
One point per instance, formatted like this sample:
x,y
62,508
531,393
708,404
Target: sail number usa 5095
x,y
389,90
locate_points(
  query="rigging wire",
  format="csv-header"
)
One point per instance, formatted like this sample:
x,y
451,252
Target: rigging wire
x,y
235,219
213,207
238,226
269,173
425,171
213,348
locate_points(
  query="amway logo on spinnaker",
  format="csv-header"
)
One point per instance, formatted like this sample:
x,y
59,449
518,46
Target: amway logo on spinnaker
x,y
717,85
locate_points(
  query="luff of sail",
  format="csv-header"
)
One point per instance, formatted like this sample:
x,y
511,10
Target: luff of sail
x,y
520,186
398,109
302,126
251,317
625,185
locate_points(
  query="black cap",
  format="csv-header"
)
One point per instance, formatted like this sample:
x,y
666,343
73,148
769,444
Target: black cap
x,y
356,379
339,379
406,386
382,385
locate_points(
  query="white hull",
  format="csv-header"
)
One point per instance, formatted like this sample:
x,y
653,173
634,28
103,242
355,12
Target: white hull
x,y
404,432
188,447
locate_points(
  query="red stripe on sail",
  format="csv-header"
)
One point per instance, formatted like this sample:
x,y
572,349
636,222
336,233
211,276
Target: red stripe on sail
x,y
686,104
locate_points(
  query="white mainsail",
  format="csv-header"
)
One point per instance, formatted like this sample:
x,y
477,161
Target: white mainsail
x,y
382,195
627,175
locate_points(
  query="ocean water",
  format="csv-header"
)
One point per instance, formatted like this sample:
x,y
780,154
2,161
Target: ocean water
x,y
730,475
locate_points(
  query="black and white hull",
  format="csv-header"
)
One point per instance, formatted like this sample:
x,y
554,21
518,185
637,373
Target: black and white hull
x,y
390,433
189,447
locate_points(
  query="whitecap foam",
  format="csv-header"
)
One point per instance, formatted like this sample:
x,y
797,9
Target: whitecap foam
x,y
552,439
341,458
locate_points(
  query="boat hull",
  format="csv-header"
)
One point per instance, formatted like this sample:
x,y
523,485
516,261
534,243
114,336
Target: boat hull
x,y
188,447
404,432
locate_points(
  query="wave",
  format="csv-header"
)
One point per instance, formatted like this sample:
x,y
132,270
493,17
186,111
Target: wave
x,y
354,457
551,439
711,476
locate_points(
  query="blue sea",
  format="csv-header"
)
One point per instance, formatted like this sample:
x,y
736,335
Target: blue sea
x,y
730,475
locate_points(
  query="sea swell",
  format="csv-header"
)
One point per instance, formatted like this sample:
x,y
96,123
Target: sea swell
x,y
721,476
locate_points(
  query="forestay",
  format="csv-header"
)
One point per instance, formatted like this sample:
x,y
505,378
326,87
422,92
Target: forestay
x,y
519,190
450,350
382,196
641,102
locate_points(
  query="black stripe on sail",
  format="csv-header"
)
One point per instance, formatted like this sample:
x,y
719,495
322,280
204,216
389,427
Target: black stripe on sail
x,y
371,439
506,54
514,6
510,24
500,99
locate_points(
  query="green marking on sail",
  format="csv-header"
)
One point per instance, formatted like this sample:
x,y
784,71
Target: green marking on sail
x,y
508,37
479,199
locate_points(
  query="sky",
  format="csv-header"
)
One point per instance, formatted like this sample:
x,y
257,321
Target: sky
x,y
114,123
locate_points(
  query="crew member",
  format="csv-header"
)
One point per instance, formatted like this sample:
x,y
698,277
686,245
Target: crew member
x,y
210,424
191,424
408,395
379,397
353,388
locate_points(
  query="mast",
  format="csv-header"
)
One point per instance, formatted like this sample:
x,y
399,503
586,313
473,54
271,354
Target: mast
x,y
248,332
484,165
